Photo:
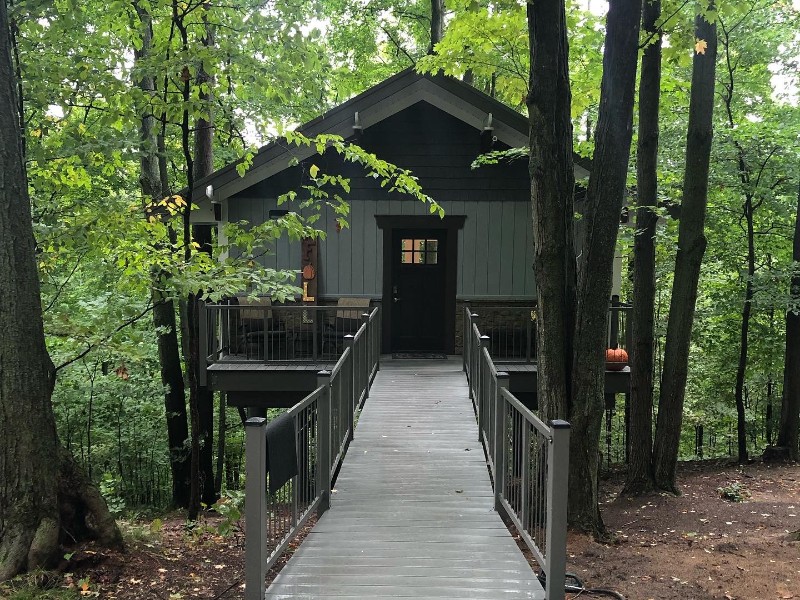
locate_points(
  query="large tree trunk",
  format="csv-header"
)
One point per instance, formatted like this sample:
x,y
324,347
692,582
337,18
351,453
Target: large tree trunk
x,y
790,404
552,188
203,166
30,519
163,307
639,478
691,247
604,205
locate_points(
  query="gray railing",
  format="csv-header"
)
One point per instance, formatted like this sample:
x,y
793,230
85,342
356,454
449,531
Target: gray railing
x,y
324,423
281,333
511,330
528,460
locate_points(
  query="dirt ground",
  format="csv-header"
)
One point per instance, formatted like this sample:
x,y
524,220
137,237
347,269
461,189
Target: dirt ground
x,y
696,546
699,545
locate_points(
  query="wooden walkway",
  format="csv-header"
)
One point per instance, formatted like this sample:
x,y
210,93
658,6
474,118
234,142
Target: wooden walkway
x,y
412,514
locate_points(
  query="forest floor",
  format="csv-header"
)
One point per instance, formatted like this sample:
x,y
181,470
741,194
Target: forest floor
x,y
695,546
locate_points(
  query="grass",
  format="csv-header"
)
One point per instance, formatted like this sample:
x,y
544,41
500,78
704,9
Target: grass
x,y
39,585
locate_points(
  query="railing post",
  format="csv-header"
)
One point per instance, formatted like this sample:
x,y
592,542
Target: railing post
x,y
202,325
255,508
367,353
557,479
613,316
499,450
472,353
483,377
378,338
323,474
351,376
466,331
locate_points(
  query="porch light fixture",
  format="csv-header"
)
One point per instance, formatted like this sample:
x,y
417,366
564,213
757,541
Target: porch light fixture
x,y
488,138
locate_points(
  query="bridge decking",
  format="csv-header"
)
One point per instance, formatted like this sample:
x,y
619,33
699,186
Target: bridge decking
x,y
412,515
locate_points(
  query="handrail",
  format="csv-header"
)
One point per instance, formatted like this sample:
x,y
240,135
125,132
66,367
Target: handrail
x,y
324,423
527,458
512,330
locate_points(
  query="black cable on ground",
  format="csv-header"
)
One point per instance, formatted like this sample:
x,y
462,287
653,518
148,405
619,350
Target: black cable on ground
x,y
580,588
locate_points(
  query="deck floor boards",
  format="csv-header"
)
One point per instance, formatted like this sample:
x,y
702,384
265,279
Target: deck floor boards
x,y
412,513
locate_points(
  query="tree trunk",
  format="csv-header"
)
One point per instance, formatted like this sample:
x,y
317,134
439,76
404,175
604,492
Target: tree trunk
x,y
437,23
639,478
790,403
741,367
203,166
153,189
691,247
552,188
30,519
605,196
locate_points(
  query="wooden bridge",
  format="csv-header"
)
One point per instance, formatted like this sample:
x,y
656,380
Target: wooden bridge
x,y
412,514
410,499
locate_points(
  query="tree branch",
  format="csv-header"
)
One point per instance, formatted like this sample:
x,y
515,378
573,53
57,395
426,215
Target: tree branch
x,y
107,337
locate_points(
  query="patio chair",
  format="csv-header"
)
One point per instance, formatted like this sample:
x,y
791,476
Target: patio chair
x,y
261,335
346,322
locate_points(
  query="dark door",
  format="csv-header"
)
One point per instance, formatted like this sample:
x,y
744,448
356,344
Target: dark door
x,y
418,297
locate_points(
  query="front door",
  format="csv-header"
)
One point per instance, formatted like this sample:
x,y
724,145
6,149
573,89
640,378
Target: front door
x,y
419,263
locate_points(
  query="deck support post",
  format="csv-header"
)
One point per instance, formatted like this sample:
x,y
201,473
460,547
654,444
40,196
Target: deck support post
x,y
323,474
255,508
202,326
499,450
351,374
557,478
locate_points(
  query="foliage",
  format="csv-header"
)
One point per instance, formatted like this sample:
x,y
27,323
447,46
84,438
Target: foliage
x,y
734,492
229,507
279,64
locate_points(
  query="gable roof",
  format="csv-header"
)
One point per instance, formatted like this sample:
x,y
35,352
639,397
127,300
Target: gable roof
x,y
379,102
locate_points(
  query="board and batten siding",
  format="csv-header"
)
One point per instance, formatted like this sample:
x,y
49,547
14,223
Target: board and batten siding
x,y
495,247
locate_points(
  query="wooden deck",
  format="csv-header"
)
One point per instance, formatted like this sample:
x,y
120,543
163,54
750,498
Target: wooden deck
x,y
412,514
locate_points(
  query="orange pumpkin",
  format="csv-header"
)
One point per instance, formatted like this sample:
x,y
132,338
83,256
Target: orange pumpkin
x,y
616,359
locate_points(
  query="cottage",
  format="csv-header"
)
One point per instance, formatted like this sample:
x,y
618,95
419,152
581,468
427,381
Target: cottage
x,y
419,268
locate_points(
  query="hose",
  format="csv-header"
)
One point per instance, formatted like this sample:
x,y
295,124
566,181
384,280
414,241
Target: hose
x,y
580,588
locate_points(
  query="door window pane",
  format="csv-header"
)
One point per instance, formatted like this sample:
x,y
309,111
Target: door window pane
x,y
419,252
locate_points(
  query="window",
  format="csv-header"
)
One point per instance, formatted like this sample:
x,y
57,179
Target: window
x,y
419,252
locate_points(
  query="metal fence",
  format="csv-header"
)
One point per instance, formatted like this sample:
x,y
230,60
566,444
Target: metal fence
x,y
511,330
262,332
324,423
528,460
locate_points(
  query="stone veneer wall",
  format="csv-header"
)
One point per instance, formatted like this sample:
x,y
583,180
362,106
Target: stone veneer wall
x,y
495,313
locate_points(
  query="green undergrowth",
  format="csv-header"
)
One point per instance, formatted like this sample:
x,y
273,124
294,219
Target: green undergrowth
x,y
39,585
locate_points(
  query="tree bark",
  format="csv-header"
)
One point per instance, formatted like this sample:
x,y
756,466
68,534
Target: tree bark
x,y
748,212
747,307
30,519
605,196
552,188
203,166
639,478
691,247
152,185
790,403
437,23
